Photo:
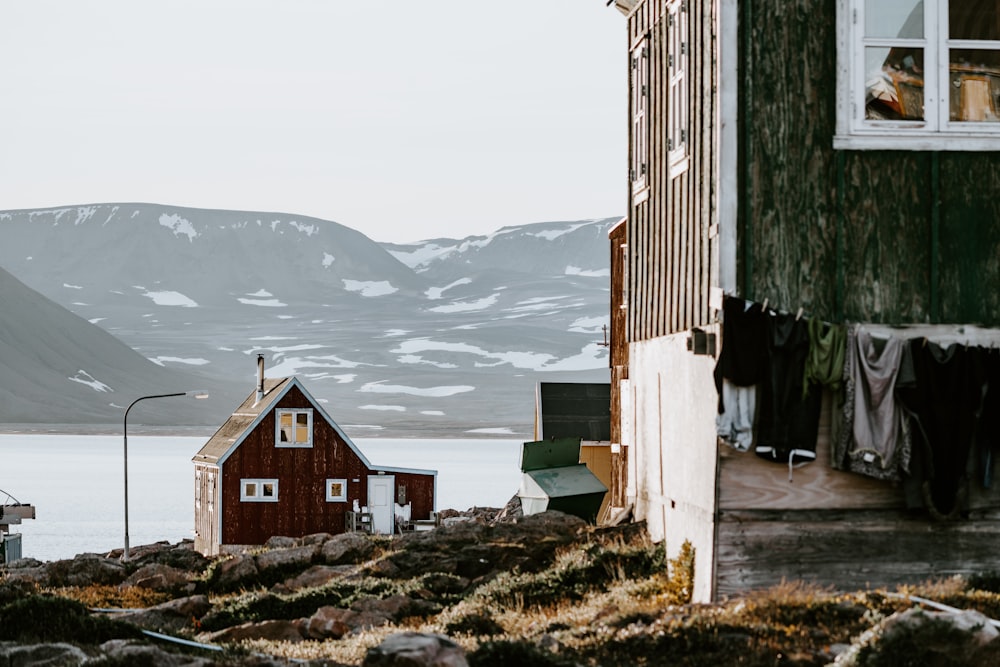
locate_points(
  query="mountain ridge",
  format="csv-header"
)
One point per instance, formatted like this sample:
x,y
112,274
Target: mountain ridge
x,y
447,335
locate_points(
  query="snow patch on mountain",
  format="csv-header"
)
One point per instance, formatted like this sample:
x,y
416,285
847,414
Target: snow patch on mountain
x,y
553,234
466,306
308,230
296,365
587,273
436,292
171,298
179,226
68,286
422,255
83,377
436,392
328,259
391,408
163,361
266,303
84,213
416,359
369,287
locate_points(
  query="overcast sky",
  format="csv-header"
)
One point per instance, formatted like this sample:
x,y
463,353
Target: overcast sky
x,y
400,118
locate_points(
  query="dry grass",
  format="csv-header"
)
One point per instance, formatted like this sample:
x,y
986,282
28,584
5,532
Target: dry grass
x,y
104,596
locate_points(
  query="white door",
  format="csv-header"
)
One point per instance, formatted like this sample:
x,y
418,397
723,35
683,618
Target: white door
x,y
381,503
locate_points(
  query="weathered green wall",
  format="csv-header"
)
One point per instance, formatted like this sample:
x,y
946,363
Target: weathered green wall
x,y
853,236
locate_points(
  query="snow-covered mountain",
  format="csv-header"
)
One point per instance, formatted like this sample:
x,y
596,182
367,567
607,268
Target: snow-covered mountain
x,y
443,336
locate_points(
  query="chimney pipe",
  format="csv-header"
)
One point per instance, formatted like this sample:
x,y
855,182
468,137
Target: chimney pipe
x,y
260,377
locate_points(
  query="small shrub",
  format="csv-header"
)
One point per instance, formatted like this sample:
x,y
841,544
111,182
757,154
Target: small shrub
x,y
43,618
477,625
681,572
506,653
986,581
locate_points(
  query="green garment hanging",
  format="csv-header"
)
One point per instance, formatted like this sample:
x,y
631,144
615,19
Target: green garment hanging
x,y
825,363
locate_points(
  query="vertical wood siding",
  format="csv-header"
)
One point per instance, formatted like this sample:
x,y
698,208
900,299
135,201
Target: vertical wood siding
x,y
671,258
619,365
890,268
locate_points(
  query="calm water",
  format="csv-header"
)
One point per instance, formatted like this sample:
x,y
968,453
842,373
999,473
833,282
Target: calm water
x,y
76,484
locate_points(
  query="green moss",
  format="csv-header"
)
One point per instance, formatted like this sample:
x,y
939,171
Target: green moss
x,y
255,607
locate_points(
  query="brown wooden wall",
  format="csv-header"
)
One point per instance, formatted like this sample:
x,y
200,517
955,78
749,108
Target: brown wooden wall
x,y
302,507
619,365
877,236
671,254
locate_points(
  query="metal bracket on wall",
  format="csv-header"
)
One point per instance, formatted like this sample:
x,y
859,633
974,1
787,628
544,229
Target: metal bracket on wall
x,y
701,342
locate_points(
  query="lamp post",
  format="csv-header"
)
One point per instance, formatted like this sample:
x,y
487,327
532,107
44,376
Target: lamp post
x,y
196,394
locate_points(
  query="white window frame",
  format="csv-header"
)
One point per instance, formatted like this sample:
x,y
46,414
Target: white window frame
x,y
639,91
678,97
294,414
256,493
330,497
936,132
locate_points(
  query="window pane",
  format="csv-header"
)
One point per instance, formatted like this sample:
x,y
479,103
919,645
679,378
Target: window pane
x,y
894,18
267,490
894,89
974,94
302,427
249,489
286,426
974,19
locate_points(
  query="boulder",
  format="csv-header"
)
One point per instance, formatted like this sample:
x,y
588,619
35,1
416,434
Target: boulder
x,y
329,623
273,630
130,652
281,542
230,572
85,570
347,548
414,649
170,616
159,577
315,538
314,577
286,558
42,655
967,638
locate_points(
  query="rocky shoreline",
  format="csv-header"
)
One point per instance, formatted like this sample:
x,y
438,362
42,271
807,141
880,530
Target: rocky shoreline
x,y
489,588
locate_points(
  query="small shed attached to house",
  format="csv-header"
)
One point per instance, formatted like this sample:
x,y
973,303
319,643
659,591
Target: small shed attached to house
x,y
554,479
580,411
281,466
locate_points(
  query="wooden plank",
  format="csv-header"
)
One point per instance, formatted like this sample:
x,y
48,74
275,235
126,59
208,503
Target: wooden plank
x,y
849,551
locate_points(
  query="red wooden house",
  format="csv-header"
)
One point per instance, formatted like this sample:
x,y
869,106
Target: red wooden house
x,y
281,466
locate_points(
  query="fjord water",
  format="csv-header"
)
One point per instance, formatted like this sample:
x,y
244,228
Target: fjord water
x,y
76,483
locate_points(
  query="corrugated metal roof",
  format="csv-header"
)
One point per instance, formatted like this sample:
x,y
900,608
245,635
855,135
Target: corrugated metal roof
x,y
576,480
241,421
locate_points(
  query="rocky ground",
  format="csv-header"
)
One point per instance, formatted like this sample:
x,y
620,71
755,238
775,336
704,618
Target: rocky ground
x,y
488,588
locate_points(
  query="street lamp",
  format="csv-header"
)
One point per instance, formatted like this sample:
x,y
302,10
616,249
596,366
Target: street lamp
x,y
197,394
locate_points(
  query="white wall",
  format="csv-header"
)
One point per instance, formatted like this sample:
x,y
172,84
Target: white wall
x,y
674,403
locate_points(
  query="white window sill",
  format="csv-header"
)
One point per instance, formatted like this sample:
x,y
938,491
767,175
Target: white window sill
x,y
917,142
